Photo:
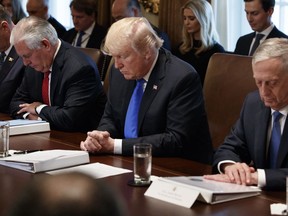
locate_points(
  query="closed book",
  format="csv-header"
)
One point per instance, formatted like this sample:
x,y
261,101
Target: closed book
x,y
214,191
23,126
185,190
41,161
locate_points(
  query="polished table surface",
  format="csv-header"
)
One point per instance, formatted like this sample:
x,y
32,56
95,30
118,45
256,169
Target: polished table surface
x,y
12,181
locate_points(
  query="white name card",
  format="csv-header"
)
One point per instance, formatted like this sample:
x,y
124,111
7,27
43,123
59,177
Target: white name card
x,y
172,192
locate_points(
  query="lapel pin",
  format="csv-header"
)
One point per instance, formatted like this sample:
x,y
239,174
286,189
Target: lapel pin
x,y
155,87
10,59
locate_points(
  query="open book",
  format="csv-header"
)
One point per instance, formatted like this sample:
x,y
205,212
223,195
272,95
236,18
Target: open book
x,y
41,161
190,188
23,126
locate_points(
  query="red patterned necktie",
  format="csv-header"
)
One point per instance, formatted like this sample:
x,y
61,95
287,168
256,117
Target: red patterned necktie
x,y
45,88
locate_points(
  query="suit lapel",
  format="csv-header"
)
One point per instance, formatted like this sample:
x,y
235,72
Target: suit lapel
x,y
153,86
283,148
262,119
10,60
56,71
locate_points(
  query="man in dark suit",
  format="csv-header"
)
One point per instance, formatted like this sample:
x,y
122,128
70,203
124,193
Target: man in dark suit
x,y
171,116
86,32
12,68
245,156
70,96
131,8
258,13
40,8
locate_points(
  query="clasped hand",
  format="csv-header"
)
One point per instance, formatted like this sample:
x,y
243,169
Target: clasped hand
x,y
239,173
98,141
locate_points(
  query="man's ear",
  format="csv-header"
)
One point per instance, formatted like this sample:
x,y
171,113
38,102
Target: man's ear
x,y
45,43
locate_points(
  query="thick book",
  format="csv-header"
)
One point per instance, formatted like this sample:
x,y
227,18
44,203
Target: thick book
x,y
184,190
24,126
41,161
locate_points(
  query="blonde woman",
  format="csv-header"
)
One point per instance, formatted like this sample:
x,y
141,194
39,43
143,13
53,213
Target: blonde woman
x,y
200,37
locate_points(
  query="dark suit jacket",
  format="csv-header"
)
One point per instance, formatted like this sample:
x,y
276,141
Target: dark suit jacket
x,y
95,40
60,29
11,76
171,117
244,42
76,93
163,36
247,142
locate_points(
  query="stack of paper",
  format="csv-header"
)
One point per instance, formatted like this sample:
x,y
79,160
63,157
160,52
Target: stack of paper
x,y
23,126
41,161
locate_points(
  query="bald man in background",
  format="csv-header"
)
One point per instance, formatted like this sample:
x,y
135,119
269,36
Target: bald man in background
x,y
40,8
131,8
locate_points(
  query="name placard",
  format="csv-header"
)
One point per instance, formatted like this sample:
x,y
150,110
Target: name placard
x,y
172,192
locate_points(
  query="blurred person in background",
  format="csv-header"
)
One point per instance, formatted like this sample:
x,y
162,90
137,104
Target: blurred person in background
x,y
14,8
131,8
40,8
86,32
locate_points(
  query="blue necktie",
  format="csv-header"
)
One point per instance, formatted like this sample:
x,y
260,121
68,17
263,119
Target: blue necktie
x,y
131,121
275,139
79,40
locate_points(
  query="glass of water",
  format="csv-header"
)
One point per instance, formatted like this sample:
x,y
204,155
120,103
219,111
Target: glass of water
x,y
142,163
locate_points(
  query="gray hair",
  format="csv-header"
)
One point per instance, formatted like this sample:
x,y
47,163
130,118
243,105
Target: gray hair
x,y
134,31
276,48
33,30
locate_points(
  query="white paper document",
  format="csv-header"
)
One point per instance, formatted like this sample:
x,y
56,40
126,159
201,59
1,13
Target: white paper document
x,y
185,190
96,170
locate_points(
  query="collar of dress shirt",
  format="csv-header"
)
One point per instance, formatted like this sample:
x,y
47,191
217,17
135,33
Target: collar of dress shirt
x,y
57,50
146,77
266,32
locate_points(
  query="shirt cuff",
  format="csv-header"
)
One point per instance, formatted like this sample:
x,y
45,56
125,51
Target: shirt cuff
x,y
222,162
117,146
39,108
25,115
261,178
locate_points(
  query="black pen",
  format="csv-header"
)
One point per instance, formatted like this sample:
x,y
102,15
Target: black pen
x,y
26,151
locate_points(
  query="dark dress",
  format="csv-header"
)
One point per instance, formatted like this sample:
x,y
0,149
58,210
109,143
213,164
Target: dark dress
x,y
199,62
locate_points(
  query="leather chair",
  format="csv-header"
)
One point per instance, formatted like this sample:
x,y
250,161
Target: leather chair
x,y
100,59
106,79
228,80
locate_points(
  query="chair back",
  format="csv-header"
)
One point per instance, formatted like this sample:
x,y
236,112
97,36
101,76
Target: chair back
x,y
228,80
98,57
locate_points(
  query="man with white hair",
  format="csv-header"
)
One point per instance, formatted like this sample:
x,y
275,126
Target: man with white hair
x,y
165,108
61,85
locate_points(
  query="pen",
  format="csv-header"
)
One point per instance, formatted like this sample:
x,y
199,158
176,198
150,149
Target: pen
x,y
26,151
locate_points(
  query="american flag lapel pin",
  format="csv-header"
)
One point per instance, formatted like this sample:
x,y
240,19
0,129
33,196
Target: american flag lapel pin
x,y
10,59
155,87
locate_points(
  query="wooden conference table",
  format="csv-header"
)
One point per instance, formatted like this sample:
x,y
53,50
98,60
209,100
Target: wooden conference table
x,y
12,181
